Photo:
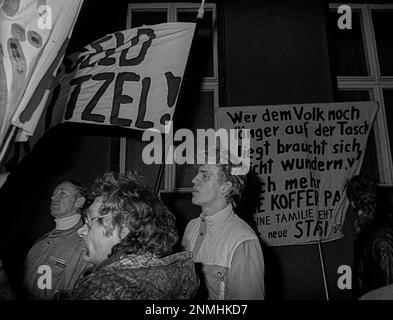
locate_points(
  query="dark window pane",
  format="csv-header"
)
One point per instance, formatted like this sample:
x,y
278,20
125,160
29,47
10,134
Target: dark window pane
x,y
181,206
370,161
115,154
388,99
135,162
146,17
352,95
200,62
383,28
347,48
194,111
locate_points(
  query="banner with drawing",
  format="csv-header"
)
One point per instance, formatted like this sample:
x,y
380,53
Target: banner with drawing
x,y
33,39
301,159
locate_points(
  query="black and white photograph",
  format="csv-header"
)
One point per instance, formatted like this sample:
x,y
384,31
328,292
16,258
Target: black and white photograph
x,y
211,153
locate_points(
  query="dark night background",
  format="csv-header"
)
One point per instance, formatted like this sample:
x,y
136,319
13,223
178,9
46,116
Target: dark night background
x,y
270,52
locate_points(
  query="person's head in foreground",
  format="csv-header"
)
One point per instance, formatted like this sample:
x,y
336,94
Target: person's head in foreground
x,y
218,182
362,195
126,216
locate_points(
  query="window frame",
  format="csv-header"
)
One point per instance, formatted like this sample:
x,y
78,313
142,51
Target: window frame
x,y
373,82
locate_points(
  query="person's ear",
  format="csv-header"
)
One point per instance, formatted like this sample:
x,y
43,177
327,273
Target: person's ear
x,y
124,232
226,188
80,202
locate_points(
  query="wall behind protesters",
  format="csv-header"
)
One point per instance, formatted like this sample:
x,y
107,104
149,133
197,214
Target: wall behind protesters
x,y
276,53
79,152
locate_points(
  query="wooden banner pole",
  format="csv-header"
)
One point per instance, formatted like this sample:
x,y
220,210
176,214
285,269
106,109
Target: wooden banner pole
x,y
323,268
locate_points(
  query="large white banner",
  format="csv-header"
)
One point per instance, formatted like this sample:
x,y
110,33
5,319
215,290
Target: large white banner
x,y
33,37
130,78
301,158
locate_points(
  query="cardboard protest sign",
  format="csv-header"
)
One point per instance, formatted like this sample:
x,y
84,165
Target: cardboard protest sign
x,y
302,157
33,37
130,78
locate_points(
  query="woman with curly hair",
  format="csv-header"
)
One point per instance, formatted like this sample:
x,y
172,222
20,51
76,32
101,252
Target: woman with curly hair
x,y
374,236
130,236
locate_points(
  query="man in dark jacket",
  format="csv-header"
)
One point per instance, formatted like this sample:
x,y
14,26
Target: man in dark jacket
x,y
55,261
130,236
374,236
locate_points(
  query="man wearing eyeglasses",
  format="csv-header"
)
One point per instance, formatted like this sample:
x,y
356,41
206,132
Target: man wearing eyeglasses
x,y
130,237
55,260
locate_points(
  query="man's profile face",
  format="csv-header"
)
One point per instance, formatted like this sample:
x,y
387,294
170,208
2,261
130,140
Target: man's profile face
x,y
99,241
63,202
207,186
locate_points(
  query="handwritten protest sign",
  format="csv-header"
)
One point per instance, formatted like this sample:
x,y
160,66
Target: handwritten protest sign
x,y
302,157
130,78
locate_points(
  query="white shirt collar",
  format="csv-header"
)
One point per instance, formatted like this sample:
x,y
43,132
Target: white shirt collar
x,y
220,216
68,222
